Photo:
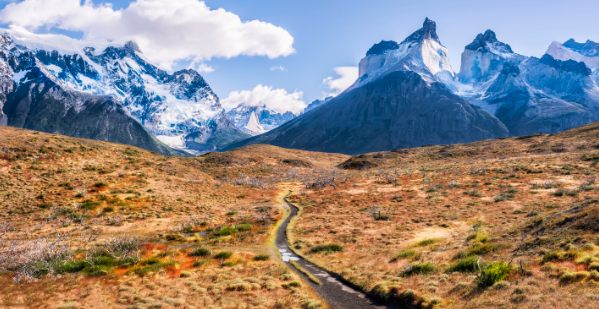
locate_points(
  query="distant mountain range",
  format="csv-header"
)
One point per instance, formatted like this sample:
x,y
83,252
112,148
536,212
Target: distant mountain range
x,y
104,88
257,119
407,95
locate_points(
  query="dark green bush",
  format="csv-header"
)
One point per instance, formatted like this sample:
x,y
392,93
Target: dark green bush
x,y
327,248
261,257
223,255
464,265
201,252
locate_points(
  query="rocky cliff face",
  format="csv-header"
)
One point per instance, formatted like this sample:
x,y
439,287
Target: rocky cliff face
x,y
397,102
180,109
484,58
529,95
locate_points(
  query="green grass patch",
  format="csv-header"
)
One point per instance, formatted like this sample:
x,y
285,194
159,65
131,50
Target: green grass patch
x,y
426,242
419,269
405,255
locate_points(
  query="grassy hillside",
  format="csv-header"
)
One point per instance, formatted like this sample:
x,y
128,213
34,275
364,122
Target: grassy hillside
x,y
90,224
508,223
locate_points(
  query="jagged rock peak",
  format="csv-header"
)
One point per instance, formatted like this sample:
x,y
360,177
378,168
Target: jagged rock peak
x,y
488,42
427,32
589,48
568,65
132,47
382,47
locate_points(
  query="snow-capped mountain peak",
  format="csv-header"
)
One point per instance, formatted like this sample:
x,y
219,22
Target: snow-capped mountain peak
x,y
427,32
421,52
173,107
484,58
487,42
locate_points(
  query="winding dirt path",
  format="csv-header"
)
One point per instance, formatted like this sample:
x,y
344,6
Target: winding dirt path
x,y
332,290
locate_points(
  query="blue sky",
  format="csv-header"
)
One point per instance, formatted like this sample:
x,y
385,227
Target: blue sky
x,y
330,33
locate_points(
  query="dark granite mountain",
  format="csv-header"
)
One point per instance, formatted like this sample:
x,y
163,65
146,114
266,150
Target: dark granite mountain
x,y
396,103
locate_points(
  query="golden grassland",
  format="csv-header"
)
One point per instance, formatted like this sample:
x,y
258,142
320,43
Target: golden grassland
x,y
508,223
61,189
417,227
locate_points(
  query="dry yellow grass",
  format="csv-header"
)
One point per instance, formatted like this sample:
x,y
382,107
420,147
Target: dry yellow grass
x,y
53,185
404,219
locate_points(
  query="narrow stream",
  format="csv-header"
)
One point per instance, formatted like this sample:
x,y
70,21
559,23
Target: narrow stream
x,y
333,291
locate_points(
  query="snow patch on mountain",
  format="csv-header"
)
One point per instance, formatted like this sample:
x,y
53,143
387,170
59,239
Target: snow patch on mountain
x,y
560,52
253,126
18,77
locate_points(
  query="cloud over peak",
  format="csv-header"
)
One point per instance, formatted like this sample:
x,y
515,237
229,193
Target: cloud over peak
x,y
166,31
347,76
278,100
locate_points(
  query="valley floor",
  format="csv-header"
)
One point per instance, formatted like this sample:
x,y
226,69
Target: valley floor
x,y
508,223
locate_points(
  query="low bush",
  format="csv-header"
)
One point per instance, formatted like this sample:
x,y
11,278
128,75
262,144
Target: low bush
x,y
244,227
419,269
382,291
464,265
405,255
327,248
261,257
201,252
573,277
494,272
223,255
226,231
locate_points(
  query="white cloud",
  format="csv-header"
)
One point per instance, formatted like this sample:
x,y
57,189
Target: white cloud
x,y
348,75
199,66
204,68
165,30
278,100
280,68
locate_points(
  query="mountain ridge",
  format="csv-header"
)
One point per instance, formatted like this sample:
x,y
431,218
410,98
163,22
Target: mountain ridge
x,y
180,109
